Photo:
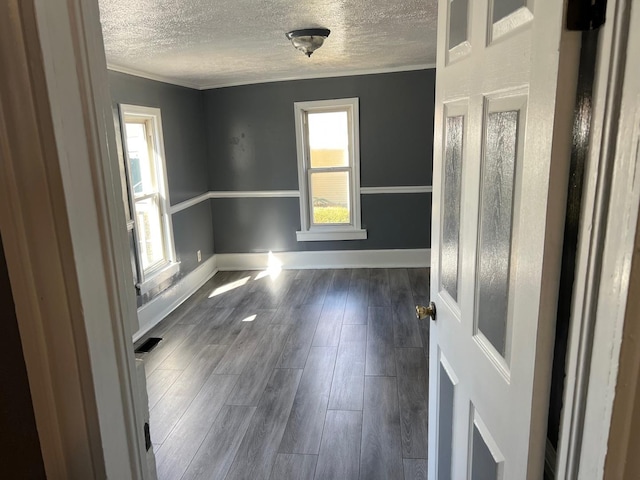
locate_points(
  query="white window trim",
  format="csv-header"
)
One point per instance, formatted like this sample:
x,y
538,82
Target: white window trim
x,y
159,273
309,232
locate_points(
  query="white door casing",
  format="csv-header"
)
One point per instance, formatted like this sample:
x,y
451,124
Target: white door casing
x,y
504,98
61,220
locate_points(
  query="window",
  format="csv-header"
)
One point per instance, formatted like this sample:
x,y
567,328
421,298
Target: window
x,y
147,196
327,137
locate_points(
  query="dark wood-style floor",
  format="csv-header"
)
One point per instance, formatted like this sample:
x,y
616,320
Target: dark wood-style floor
x,y
313,374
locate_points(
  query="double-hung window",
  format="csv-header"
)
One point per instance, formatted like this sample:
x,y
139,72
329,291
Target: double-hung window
x,y
327,138
147,192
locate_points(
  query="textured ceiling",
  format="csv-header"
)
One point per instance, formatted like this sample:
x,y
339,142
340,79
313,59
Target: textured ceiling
x,y
209,43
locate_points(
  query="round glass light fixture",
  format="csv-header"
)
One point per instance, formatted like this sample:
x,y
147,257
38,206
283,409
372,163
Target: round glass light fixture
x,y
308,40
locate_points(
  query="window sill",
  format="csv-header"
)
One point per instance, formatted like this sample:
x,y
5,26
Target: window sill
x,y
157,277
329,235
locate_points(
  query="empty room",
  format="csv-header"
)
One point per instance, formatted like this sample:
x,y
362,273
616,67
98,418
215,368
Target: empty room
x,y
295,228
319,240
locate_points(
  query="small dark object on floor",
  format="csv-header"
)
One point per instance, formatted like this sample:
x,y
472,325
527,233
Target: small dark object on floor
x,y
148,345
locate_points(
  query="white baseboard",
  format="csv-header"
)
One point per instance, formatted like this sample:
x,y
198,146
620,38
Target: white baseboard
x,y
327,259
150,314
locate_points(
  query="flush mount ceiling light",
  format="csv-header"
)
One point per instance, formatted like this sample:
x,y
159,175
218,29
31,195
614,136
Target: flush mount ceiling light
x,y
308,40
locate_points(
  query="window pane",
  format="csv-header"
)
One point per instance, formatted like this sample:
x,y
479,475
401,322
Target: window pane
x,y
328,139
150,232
141,166
330,197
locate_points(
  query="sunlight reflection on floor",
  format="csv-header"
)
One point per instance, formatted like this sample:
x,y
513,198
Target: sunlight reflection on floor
x,y
229,286
274,267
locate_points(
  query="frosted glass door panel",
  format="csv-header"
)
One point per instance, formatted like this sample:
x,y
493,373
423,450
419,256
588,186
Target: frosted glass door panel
x,y
503,8
457,22
496,212
450,251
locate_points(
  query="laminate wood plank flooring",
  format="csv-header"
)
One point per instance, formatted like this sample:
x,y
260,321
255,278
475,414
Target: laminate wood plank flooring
x,y
358,297
225,332
306,420
158,383
406,330
380,350
193,426
318,287
293,466
379,294
302,374
340,450
304,321
168,410
338,290
274,286
183,354
241,350
299,287
413,388
381,453
259,447
255,376
415,469
231,294
214,457
329,326
165,348
420,283
347,389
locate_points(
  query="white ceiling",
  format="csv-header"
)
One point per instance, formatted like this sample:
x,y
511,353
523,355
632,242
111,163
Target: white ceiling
x,y
214,43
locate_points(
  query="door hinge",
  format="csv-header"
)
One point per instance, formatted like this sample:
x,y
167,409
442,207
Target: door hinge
x,y
585,14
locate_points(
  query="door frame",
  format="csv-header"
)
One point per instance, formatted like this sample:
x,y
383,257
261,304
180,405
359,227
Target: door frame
x,y
57,45
63,228
606,247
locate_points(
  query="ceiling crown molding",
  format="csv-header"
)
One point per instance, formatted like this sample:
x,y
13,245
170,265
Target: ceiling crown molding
x,y
152,76
336,74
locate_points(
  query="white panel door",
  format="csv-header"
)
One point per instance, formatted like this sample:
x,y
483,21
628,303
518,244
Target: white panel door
x,y
504,94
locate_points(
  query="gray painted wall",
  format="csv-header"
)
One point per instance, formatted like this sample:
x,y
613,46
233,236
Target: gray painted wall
x,y
183,127
269,224
252,146
243,138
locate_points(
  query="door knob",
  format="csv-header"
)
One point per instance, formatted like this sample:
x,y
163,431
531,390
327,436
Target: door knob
x,y
423,312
